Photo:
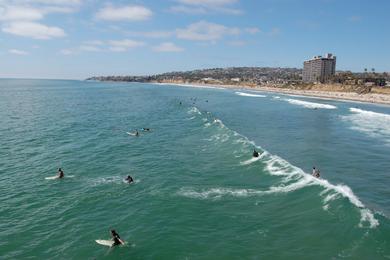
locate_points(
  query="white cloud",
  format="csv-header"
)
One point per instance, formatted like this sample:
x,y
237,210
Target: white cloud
x,y
124,45
167,47
94,42
252,30
89,48
33,30
18,13
17,52
208,2
124,13
205,6
52,2
205,31
152,34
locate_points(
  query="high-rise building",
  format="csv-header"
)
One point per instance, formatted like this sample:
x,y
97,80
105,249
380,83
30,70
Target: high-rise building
x,y
319,69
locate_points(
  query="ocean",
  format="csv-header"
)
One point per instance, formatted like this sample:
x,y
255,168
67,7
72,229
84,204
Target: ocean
x,y
198,192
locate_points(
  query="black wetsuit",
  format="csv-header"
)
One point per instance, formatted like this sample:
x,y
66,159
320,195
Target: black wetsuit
x,y
129,179
116,238
255,154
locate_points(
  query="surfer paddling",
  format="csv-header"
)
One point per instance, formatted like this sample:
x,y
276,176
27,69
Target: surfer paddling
x,y
116,238
255,153
129,179
60,173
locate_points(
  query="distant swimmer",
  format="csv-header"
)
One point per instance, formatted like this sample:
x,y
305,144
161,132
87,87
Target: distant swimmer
x,y
180,103
129,179
60,173
316,172
255,153
145,129
116,238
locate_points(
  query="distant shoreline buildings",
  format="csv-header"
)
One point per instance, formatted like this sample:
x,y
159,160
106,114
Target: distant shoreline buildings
x,y
319,69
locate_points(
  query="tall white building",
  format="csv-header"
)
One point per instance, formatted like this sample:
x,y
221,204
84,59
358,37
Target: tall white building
x,y
319,69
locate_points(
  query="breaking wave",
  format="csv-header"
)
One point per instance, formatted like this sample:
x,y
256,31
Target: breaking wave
x,y
308,104
373,124
292,178
249,95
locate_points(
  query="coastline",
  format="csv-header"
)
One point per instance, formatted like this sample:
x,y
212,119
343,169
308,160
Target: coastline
x,y
372,98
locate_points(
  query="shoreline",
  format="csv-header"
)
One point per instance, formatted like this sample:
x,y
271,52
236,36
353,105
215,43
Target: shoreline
x,y
371,98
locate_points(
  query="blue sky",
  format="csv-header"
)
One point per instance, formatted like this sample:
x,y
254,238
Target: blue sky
x,y
77,38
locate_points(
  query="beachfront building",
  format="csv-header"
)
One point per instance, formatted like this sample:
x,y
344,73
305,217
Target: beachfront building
x,y
319,69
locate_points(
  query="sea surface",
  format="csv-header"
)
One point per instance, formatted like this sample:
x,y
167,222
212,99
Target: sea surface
x,y
198,192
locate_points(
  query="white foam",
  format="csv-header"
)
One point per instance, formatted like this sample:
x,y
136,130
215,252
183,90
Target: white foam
x,y
216,193
194,110
310,105
249,95
294,176
253,159
107,180
276,97
374,124
279,167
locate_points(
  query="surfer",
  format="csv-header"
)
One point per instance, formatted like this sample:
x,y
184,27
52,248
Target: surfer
x,y
116,238
145,129
255,153
316,172
129,179
136,132
60,173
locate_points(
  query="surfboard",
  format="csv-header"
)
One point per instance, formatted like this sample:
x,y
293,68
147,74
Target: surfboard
x,y
105,242
132,134
56,177
51,178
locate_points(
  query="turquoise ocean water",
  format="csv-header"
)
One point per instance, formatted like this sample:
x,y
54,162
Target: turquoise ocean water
x,y
198,194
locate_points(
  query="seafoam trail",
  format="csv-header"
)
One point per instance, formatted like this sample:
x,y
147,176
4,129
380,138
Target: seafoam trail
x,y
311,105
292,178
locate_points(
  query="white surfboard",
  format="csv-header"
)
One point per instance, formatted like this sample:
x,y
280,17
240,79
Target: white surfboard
x,y
56,177
51,177
132,134
105,242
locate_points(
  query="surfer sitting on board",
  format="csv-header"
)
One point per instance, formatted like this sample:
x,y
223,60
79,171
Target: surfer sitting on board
x,y
136,132
60,173
316,172
129,179
116,238
255,153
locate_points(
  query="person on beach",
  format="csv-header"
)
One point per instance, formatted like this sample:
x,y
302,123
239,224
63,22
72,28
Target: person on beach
x,y
60,173
116,238
129,179
255,153
316,172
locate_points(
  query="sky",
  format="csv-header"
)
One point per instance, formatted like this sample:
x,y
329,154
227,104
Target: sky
x,y
76,39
